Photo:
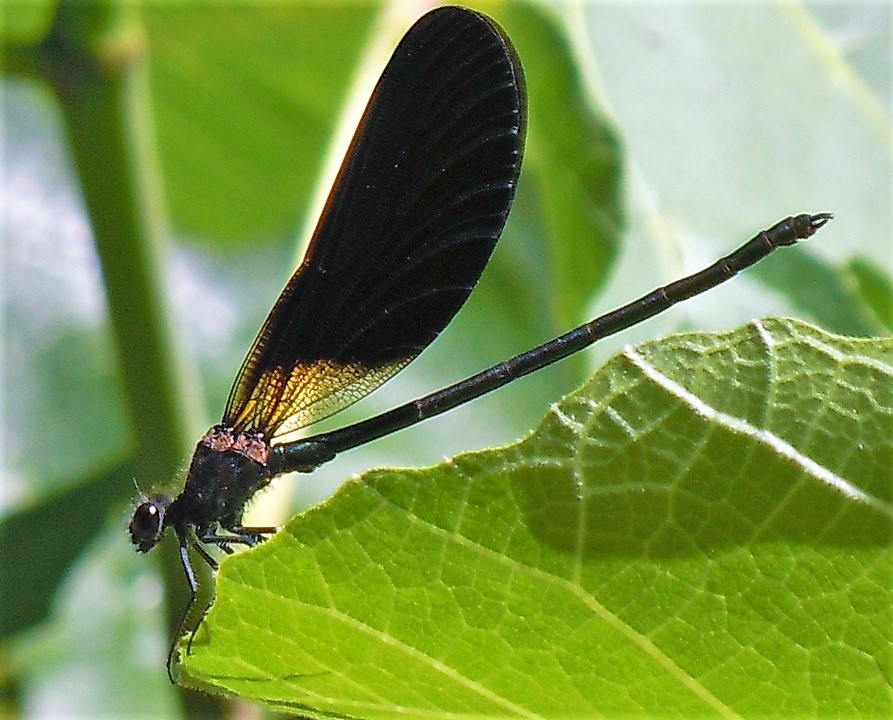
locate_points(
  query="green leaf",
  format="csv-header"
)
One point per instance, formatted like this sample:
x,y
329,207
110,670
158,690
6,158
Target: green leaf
x,y
61,534
573,162
705,528
739,113
244,96
25,23
875,288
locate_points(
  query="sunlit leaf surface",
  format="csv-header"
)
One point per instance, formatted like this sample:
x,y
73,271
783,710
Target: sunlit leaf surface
x,y
703,528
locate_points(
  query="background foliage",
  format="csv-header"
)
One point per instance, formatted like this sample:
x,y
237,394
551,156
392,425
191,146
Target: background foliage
x,y
198,162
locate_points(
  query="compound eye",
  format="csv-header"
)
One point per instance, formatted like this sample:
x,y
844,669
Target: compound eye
x,y
147,524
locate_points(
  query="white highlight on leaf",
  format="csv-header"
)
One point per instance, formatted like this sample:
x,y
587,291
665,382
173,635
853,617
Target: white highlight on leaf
x,y
838,356
573,425
621,422
780,446
766,336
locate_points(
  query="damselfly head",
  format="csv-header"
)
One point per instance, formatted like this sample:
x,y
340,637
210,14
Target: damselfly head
x,y
147,524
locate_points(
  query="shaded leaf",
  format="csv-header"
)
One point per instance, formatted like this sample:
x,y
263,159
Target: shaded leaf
x,y
875,288
61,526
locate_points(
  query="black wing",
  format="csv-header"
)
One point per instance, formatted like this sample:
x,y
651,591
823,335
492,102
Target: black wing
x,y
418,205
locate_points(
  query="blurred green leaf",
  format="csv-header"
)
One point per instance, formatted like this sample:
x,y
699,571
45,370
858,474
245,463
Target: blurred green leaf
x,y
734,116
821,291
244,97
25,22
875,288
574,162
61,525
710,514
